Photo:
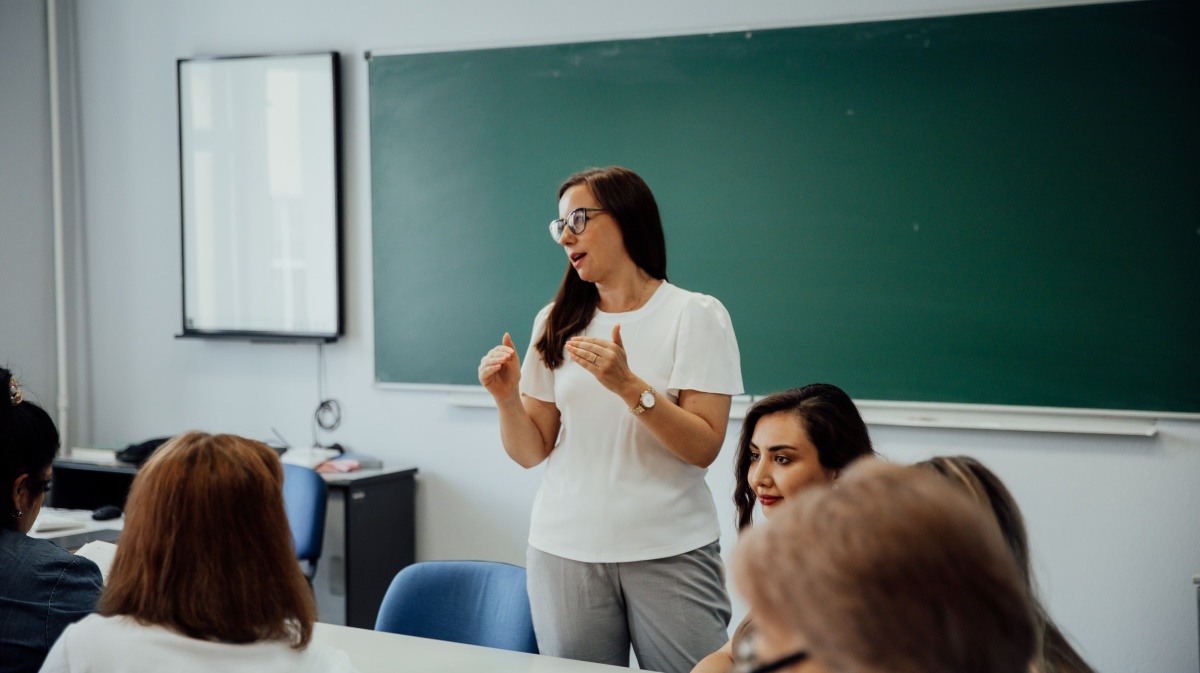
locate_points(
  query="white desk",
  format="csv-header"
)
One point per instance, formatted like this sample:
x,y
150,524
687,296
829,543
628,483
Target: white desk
x,y
85,529
375,652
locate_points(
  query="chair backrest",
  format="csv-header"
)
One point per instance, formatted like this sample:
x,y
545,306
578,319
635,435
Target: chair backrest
x,y
304,499
472,602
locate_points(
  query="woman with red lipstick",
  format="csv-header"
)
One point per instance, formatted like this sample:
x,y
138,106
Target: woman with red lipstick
x,y
624,394
790,441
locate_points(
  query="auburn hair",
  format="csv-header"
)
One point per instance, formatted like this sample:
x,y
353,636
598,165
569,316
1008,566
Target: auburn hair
x,y
895,570
207,550
630,203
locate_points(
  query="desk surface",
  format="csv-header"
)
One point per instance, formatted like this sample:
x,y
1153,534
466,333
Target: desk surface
x,y
75,528
105,460
375,652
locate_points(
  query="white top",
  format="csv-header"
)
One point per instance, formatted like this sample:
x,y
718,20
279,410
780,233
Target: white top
x,y
611,492
98,644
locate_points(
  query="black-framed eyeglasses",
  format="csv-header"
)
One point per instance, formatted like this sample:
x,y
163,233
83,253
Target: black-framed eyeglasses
x,y
779,664
745,660
576,219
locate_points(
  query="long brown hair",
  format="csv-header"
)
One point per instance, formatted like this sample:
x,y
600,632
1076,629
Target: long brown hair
x,y
829,417
1054,654
895,570
206,549
631,204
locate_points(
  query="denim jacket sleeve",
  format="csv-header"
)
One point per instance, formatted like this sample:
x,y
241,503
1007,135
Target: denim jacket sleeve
x,y
44,589
73,596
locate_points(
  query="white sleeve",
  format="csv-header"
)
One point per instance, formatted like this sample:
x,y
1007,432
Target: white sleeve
x,y
706,351
537,380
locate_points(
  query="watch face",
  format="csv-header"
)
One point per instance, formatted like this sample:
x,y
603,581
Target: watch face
x,y
648,399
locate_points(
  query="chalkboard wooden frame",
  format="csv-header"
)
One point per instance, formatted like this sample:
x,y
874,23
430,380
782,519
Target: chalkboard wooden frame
x,y
1040,249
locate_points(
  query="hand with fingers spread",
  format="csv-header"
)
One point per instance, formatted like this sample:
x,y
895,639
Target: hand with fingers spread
x,y
606,361
500,370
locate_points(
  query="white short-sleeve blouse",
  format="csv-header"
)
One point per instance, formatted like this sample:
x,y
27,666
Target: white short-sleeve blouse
x,y
611,492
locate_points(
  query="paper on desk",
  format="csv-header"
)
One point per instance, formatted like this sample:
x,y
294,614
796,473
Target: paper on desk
x,y
308,457
100,553
48,523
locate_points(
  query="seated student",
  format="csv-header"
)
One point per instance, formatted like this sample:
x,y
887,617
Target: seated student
x,y
1054,654
204,578
894,571
43,587
790,441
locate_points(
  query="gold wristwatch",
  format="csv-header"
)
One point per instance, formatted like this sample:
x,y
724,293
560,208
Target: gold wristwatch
x,y
645,401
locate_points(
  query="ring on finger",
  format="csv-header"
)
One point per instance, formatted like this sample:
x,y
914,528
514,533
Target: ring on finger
x,y
593,358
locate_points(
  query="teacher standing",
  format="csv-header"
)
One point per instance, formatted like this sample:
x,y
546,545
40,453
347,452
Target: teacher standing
x,y
625,394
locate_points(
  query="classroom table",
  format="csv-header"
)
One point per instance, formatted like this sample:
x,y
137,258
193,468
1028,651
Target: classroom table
x,y
376,652
74,528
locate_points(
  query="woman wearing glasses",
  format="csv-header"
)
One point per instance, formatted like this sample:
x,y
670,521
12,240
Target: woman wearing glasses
x,y
791,441
895,571
44,587
624,393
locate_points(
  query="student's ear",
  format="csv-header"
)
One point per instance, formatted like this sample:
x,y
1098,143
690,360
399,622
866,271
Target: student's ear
x,y
20,493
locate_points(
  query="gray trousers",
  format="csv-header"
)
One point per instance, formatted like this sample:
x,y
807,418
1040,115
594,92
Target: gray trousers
x,y
673,611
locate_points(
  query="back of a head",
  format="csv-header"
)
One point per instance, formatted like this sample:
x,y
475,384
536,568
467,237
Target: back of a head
x,y
206,548
28,441
1055,653
893,571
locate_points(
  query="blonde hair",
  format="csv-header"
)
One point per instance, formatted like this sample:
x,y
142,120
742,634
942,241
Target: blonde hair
x,y
893,571
1054,653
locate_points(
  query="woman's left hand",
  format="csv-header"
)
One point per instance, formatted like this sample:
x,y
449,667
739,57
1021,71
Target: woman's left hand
x,y
605,360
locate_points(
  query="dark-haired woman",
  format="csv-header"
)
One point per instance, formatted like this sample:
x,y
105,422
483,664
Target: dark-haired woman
x,y
43,588
1054,653
893,572
205,578
625,394
790,441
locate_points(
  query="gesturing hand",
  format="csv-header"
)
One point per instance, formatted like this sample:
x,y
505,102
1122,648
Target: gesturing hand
x,y
604,359
500,370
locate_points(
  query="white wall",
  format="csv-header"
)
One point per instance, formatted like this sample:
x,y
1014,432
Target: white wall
x,y
26,237
1115,522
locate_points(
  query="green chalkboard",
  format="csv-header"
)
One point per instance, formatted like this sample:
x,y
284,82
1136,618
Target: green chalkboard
x,y
995,208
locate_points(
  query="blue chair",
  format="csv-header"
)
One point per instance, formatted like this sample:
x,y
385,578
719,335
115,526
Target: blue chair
x,y
472,602
304,500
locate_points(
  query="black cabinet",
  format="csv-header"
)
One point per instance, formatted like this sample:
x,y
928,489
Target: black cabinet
x,y
370,534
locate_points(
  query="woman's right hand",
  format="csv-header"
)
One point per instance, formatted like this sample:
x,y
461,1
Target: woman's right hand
x,y
500,370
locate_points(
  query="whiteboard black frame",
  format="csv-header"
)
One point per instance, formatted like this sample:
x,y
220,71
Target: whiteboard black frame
x,y
336,221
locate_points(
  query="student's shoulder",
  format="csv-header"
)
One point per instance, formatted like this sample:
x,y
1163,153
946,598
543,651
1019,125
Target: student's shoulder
x,y
22,552
97,625
327,659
